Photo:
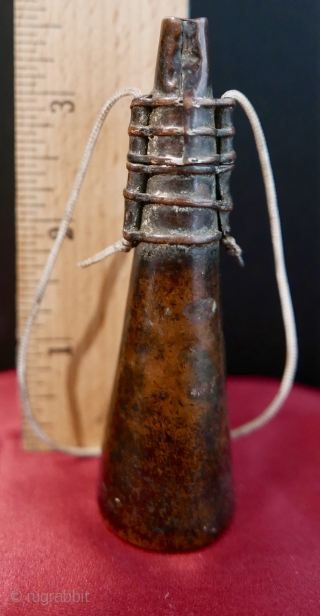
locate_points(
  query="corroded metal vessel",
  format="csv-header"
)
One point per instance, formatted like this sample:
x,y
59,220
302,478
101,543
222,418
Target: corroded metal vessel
x,y
166,478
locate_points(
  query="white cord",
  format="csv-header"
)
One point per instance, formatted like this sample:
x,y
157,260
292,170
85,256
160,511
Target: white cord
x,y
124,246
24,341
280,269
120,246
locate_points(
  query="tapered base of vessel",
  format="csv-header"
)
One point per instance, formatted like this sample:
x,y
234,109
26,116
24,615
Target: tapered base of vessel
x,y
166,473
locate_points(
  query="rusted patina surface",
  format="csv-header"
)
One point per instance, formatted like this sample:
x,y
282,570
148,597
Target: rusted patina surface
x,y
166,465
166,474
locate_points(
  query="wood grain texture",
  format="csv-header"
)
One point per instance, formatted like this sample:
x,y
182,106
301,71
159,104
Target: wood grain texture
x,y
70,56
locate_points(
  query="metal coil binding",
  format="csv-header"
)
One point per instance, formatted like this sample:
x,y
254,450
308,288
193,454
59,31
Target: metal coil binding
x,y
181,156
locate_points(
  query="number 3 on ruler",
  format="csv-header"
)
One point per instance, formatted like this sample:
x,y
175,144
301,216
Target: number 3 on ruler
x,y
60,105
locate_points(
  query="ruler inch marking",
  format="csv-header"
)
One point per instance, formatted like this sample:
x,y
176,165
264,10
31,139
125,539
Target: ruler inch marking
x,y
29,27
50,93
77,53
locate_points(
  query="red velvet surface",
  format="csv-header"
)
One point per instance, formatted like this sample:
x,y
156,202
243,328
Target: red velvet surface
x,y
54,542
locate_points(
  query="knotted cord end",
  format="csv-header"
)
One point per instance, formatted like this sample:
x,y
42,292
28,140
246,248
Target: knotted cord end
x,y
120,246
233,249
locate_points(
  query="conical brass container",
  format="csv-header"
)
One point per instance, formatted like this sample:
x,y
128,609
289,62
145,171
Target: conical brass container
x,y
166,480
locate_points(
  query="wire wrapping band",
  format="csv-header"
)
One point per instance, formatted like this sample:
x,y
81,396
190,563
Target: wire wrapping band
x,y
225,206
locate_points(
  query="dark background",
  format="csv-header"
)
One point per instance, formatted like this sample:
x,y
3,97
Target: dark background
x,y
270,51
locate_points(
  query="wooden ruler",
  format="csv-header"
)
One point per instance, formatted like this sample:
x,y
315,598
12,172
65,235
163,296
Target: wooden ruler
x,y
70,56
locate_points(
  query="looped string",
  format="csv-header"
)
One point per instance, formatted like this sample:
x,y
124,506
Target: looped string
x,y
45,276
123,245
280,270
